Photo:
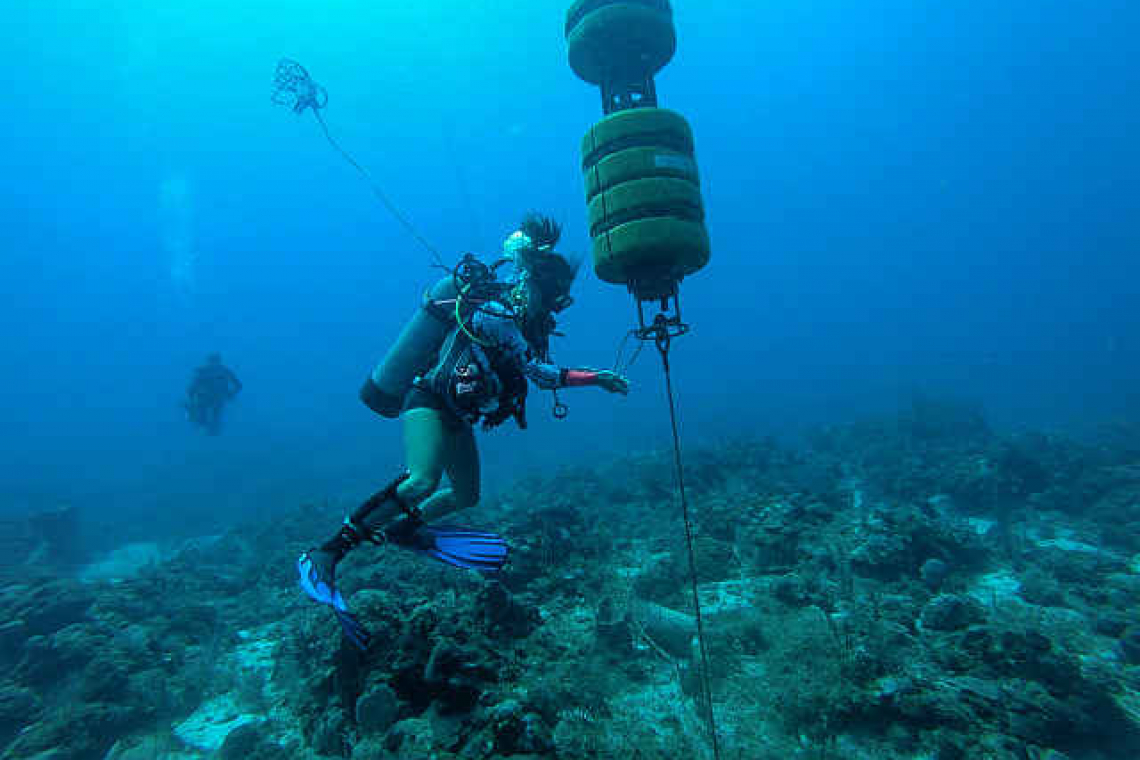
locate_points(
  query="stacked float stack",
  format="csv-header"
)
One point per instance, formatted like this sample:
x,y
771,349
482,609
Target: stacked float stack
x,y
646,216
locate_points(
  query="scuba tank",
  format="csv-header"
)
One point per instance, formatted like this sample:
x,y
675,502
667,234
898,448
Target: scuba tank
x,y
414,350
449,300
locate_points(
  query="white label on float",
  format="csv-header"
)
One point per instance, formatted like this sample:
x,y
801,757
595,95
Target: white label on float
x,y
673,161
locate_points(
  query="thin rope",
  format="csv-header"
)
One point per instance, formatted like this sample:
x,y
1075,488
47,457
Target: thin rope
x,y
621,367
388,204
461,182
706,675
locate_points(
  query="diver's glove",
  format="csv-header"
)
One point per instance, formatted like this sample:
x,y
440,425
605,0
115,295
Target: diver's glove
x,y
603,378
612,382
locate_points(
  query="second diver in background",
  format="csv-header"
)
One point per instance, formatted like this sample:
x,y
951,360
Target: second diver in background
x,y
212,387
495,336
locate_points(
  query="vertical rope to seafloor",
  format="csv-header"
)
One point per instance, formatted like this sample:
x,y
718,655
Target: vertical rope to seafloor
x,y
662,341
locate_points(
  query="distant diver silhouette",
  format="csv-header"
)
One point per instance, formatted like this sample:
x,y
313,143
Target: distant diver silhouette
x,y
293,87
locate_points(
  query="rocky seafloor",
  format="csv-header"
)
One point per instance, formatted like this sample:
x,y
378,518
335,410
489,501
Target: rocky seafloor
x,y
911,587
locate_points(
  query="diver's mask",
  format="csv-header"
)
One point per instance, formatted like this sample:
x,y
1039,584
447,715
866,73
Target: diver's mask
x,y
517,245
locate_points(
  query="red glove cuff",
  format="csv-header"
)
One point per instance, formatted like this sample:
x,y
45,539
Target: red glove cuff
x,y
572,378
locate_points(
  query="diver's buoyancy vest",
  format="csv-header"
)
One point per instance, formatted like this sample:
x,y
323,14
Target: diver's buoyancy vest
x,y
477,382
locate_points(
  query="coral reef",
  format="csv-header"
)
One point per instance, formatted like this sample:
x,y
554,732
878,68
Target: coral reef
x,y
913,587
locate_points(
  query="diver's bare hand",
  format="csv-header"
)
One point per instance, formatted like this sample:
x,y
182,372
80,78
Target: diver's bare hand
x,y
612,382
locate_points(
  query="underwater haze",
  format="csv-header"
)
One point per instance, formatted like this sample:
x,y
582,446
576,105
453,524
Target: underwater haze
x,y
901,197
909,403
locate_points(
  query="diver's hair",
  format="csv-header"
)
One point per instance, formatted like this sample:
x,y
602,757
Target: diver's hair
x,y
552,272
542,230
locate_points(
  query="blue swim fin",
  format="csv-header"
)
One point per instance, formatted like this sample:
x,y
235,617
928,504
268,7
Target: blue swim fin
x,y
320,587
353,629
465,547
454,545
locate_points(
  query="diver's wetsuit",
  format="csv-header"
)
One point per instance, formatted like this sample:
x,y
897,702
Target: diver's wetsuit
x,y
487,378
212,386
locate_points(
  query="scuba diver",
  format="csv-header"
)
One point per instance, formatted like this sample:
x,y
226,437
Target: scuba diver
x,y
465,358
212,386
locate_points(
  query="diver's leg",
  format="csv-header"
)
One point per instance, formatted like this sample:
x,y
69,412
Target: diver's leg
x,y
462,466
455,545
425,451
209,418
425,447
431,445
463,469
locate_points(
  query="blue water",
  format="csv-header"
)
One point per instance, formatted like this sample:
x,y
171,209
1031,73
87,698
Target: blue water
x,y
902,197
